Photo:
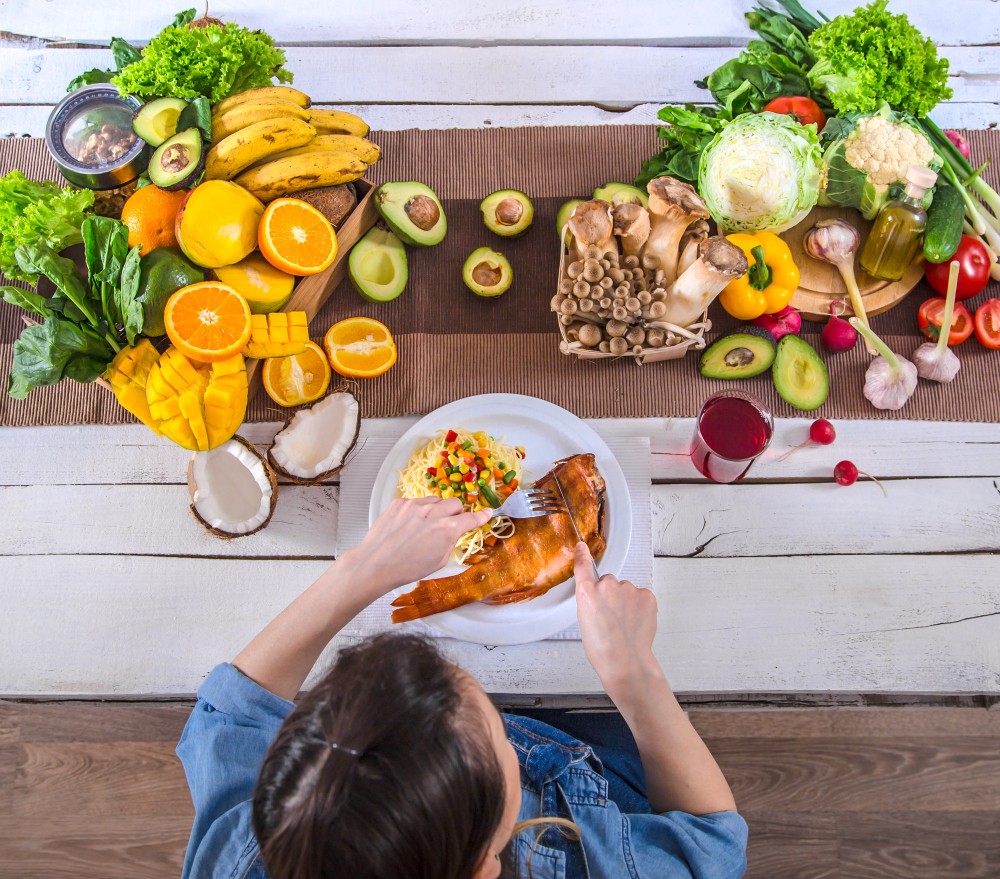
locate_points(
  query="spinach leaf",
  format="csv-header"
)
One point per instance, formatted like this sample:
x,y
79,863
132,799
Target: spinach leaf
x,y
197,114
61,272
105,244
89,77
44,354
124,53
29,300
183,18
125,297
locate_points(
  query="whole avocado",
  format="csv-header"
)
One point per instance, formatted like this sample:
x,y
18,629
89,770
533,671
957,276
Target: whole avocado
x,y
162,272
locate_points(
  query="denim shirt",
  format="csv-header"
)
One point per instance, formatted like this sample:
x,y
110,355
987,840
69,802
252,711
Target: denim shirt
x,y
235,720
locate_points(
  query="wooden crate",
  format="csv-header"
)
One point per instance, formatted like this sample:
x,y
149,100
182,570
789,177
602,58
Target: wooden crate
x,y
312,293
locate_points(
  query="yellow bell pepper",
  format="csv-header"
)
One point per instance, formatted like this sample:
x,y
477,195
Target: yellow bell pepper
x,y
127,374
197,405
771,282
278,334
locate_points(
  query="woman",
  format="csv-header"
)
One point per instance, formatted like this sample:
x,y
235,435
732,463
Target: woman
x,y
396,763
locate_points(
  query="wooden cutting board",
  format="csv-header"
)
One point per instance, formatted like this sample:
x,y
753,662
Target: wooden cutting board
x,y
820,282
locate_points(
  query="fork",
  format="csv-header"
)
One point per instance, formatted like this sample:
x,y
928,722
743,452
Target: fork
x,y
526,503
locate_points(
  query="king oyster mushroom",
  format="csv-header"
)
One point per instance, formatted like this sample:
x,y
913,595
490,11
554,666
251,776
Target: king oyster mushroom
x,y
719,262
692,237
673,205
591,226
315,442
233,489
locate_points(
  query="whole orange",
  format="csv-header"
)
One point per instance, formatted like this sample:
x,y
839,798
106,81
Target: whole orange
x,y
150,214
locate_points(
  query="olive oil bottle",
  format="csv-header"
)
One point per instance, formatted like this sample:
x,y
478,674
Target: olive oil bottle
x,y
895,238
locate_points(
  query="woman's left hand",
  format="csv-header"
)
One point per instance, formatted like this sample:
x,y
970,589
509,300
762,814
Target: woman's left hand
x,y
411,539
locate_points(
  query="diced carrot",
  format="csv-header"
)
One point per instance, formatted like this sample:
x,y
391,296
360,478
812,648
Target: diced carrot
x,y
483,453
497,474
491,540
512,485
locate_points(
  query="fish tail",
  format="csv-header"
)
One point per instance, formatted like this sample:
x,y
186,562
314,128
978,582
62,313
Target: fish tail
x,y
434,596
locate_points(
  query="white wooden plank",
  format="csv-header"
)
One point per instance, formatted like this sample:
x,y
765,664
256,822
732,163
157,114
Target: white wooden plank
x,y
155,520
608,75
30,119
399,21
717,521
95,454
147,626
826,519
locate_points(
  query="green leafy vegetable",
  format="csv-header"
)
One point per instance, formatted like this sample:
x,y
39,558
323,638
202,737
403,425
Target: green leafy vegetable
x,y
29,300
197,114
126,297
72,297
871,56
762,171
37,213
46,353
690,130
215,61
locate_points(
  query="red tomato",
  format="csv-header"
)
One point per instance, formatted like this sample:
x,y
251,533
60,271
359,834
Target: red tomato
x,y
988,323
929,321
973,273
802,110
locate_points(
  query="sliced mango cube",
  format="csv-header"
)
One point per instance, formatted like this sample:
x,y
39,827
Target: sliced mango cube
x,y
128,375
279,334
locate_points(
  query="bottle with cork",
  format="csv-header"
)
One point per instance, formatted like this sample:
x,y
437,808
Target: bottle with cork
x,y
898,230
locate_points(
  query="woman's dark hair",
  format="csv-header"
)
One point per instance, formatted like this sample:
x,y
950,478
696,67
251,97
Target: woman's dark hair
x,y
424,798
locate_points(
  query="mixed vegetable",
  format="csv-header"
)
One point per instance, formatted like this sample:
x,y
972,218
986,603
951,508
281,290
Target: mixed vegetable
x,y
471,471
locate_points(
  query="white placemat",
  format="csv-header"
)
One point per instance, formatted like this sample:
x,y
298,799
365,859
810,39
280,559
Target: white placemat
x,y
358,479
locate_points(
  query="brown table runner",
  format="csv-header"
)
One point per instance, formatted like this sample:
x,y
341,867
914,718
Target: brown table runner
x,y
453,344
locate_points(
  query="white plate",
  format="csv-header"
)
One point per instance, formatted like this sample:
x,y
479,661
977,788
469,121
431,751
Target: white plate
x,y
548,433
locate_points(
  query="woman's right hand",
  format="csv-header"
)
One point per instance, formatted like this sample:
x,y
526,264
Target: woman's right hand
x,y
617,624
409,540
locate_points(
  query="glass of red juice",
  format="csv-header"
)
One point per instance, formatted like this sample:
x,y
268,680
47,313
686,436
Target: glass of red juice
x,y
733,430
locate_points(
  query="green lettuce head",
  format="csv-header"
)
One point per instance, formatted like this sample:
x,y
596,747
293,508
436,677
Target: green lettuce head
x,y
762,171
866,158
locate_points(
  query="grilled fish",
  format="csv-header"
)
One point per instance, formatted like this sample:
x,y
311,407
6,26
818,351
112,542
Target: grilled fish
x,y
538,556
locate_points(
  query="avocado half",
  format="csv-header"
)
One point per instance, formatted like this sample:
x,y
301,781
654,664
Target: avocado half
x,y
487,273
178,161
413,212
622,193
377,266
800,377
156,121
507,212
747,352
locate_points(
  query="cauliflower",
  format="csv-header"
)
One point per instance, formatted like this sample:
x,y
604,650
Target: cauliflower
x,y
884,150
866,156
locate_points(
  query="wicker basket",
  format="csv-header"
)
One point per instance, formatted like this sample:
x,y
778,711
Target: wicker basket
x,y
679,340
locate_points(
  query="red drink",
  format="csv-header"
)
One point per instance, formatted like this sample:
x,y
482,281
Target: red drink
x,y
733,429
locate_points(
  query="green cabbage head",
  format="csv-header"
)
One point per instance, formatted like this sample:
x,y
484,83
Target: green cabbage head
x,y
762,171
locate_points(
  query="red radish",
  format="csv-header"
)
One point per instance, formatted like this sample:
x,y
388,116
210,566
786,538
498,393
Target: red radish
x,y
785,322
846,473
838,334
821,432
961,144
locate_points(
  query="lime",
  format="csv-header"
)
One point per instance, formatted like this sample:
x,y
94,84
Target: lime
x,y
162,272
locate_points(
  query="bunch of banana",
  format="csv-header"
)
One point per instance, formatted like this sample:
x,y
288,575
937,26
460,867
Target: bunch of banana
x,y
271,142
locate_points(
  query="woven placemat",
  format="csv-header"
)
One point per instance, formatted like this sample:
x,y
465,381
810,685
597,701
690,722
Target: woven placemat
x,y
453,344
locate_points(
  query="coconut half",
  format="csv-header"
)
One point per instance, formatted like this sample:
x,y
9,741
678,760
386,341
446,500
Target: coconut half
x,y
315,442
233,489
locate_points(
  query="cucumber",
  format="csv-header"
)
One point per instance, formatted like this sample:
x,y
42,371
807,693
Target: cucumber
x,y
944,223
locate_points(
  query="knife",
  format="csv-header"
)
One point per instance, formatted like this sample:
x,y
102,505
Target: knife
x,y
569,512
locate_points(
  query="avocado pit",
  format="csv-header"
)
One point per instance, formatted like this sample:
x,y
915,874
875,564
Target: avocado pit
x,y
423,212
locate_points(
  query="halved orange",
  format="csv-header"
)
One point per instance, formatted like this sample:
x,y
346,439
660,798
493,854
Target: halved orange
x,y
360,347
300,378
208,321
296,238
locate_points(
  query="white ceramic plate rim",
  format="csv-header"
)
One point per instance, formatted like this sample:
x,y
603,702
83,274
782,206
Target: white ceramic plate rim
x,y
525,621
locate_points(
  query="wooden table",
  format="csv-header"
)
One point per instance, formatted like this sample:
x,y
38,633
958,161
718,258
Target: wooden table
x,y
785,583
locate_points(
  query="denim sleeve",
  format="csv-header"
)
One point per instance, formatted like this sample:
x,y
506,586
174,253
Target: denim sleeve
x,y
711,846
222,747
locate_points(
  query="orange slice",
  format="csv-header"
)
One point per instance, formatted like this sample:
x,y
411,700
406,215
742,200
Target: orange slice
x,y
299,378
360,347
208,321
296,238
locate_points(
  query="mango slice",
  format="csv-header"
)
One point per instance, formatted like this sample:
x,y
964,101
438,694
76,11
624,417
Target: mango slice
x,y
279,334
128,374
197,405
